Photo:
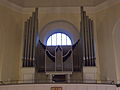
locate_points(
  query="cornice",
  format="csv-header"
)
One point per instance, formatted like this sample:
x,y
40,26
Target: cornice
x,y
95,9
11,6
106,5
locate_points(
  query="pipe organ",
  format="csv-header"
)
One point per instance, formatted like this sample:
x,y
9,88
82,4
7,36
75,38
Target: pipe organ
x,y
87,35
30,35
59,58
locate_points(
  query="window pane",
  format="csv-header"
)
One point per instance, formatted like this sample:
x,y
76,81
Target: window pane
x,y
54,39
68,41
64,39
49,41
58,38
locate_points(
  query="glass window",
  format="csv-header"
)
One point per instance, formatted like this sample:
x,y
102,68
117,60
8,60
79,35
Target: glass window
x,y
59,39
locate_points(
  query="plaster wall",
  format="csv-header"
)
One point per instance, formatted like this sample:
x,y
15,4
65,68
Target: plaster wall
x,y
105,22
10,43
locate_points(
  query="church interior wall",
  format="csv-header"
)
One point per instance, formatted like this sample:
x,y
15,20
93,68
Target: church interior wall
x,y
60,15
10,43
11,30
105,22
116,44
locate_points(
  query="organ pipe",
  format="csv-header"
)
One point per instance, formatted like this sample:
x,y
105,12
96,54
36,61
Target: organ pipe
x,y
90,42
27,43
83,38
93,49
24,51
30,35
36,31
30,32
87,39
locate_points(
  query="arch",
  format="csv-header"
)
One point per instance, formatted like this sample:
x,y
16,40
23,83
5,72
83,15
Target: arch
x,y
116,45
61,26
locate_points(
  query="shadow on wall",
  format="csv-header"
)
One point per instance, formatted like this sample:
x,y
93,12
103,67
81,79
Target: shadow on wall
x,y
61,26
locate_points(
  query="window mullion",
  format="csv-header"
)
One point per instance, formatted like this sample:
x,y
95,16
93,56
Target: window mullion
x,y
51,40
61,39
66,40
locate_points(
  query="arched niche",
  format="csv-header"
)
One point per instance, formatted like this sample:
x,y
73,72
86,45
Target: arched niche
x,y
116,44
59,26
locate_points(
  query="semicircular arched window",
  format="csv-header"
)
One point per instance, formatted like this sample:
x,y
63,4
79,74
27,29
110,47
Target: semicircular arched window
x,y
59,39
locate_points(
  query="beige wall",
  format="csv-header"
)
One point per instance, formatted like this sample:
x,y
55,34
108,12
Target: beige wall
x,y
11,33
116,44
48,15
10,43
105,22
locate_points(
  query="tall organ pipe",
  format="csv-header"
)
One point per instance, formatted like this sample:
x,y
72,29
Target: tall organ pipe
x,y
27,43
83,37
88,41
32,37
36,32
25,40
93,45
30,41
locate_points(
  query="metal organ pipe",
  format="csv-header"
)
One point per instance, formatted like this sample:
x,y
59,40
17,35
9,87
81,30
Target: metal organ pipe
x,y
25,40
83,38
32,38
93,45
27,45
87,39
90,42
36,32
30,35
30,32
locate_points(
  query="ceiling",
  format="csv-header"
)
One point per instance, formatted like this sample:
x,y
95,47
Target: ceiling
x,y
56,3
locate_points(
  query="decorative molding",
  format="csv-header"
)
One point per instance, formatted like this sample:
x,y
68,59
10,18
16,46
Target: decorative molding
x,y
98,8
105,5
12,6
